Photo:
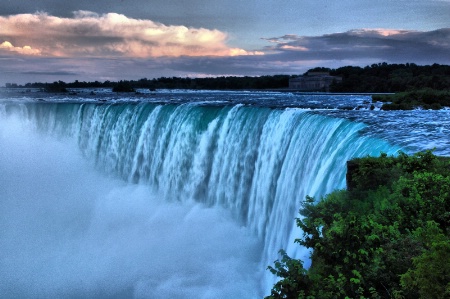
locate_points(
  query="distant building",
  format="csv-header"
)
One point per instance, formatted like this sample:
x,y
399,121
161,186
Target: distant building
x,y
11,85
313,81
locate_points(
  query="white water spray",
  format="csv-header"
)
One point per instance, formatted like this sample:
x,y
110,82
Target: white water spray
x,y
67,231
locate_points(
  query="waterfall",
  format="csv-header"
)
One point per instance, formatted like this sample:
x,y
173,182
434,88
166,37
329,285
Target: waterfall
x,y
257,163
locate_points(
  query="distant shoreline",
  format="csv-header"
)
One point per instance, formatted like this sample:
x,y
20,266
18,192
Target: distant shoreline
x,y
287,90
381,78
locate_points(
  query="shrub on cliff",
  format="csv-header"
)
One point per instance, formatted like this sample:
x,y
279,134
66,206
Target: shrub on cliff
x,y
387,237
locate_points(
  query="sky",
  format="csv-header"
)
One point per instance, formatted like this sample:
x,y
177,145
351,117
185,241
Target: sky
x,y
86,40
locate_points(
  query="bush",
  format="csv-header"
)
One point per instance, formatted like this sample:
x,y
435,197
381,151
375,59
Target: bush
x,y
387,237
424,98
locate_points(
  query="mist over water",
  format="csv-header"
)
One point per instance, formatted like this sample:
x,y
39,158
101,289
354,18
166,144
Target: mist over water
x,y
68,231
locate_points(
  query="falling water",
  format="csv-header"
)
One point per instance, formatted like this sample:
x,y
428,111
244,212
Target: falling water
x,y
186,200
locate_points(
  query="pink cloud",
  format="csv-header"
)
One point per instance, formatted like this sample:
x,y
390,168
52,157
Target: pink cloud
x,y
26,50
88,34
381,31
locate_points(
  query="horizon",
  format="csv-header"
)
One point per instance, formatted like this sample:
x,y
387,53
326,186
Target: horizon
x,y
46,41
78,81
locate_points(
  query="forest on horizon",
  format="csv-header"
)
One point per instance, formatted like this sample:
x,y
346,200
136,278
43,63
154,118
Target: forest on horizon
x,y
376,78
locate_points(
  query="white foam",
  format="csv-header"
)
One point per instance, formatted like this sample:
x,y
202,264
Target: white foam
x,y
67,231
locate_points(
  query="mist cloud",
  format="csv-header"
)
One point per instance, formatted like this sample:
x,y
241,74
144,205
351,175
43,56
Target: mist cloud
x,y
67,231
88,34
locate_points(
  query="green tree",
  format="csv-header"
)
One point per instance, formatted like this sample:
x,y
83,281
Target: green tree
x,y
387,237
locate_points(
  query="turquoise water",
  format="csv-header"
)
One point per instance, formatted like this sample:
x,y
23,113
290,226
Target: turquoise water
x,y
163,199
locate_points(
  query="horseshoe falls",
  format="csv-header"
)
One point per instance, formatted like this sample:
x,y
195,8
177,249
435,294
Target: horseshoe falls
x,y
142,199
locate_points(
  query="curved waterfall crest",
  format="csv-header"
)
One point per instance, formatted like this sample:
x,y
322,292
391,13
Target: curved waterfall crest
x,y
259,163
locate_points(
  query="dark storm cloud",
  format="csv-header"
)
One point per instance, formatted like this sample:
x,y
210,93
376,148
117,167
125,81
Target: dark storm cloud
x,y
382,44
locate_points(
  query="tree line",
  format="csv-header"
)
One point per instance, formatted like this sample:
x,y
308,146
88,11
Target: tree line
x,y
210,83
381,77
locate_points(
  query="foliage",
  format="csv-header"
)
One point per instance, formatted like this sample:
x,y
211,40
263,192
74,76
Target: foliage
x,y
383,77
424,98
217,83
414,86
55,87
294,280
430,275
123,86
386,237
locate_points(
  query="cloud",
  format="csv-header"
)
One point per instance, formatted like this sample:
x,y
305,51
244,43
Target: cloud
x,y
288,54
88,34
27,50
389,45
294,54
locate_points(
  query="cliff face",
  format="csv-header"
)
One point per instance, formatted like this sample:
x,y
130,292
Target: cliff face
x,y
352,167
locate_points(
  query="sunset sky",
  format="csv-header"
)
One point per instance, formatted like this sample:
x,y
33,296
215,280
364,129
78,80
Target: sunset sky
x,y
87,40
